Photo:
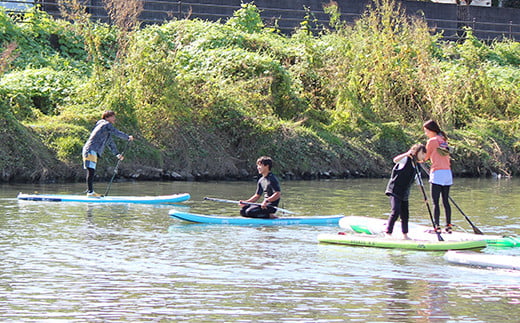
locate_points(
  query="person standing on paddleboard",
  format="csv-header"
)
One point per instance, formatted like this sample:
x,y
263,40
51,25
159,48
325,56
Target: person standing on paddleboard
x,y
398,187
441,177
101,136
269,186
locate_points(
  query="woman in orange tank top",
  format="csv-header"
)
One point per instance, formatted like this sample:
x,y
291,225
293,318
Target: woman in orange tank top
x,y
441,177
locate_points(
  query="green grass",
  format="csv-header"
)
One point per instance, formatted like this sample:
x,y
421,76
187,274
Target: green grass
x,y
208,97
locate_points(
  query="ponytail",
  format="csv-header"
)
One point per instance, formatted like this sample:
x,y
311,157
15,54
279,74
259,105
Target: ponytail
x,y
433,126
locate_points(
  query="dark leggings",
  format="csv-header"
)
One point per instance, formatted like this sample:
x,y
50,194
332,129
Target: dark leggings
x,y
436,192
399,209
90,179
255,211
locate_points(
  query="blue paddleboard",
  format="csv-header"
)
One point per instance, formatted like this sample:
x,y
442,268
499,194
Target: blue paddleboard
x,y
160,199
238,220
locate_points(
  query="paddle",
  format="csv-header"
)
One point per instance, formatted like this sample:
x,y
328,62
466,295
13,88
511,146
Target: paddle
x,y
419,179
116,168
247,203
475,229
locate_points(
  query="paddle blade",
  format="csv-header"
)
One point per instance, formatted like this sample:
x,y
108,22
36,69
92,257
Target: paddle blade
x,y
477,230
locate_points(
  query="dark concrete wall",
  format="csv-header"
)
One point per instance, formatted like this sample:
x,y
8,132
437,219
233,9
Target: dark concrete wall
x,y
288,14
488,22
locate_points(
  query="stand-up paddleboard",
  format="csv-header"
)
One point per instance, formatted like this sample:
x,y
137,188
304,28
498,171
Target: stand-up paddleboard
x,y
381,242
368,225
483,259
238,220
160,199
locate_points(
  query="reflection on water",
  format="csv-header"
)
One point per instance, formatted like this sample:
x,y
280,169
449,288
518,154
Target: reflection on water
x,y
88,262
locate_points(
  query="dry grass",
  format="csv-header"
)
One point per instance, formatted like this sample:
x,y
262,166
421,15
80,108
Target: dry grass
x,y
7,56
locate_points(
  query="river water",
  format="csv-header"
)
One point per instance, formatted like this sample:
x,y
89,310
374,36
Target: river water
x,y
76,262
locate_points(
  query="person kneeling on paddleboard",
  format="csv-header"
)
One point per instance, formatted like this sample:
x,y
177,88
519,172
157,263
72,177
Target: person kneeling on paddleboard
x,y
398,187
100,136
267,184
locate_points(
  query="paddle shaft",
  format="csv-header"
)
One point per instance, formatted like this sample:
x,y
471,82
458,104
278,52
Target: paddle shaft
x,y
247,203
475,229
116,169
418,173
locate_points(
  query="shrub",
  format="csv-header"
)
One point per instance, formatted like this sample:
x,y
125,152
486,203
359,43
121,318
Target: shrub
x,y
42,89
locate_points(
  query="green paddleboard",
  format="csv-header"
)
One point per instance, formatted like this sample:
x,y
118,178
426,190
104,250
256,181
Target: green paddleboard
x,y
381,242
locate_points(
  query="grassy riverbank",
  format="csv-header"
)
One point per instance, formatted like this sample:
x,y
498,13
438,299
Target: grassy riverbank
x,y
206,99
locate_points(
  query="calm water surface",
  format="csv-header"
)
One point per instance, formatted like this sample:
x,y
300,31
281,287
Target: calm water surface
x,y
106,263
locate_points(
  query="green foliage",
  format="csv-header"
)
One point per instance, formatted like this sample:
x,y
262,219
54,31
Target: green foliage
x,y
488,146
65,139
41,89
389,139
333,11
247,19
507,52
8,28
309,23
22,156
383,67
205,97
44,42
67,147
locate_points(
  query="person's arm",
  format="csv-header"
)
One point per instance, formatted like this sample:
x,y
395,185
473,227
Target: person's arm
x,y
112,146
113,130
252,199
274,197
430,147
398,158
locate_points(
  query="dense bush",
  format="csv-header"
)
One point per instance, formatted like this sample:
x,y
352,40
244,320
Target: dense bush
x,y
208,98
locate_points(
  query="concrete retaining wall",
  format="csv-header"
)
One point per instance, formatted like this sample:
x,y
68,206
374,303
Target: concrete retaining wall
x,y
488,22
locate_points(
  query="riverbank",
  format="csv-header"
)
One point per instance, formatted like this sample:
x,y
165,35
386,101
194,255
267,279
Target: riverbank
x,y
205,100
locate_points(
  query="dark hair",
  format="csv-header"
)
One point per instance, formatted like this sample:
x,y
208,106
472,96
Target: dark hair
x,y
108,114
418,148
266,161
433,126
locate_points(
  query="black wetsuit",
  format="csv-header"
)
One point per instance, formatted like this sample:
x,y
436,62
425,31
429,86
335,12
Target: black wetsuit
x,y
267,185
398,189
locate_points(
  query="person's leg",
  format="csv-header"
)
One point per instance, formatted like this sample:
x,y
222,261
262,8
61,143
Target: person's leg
x,y
447,207
395,205
405,214
90,163
255,211
436,193
90,179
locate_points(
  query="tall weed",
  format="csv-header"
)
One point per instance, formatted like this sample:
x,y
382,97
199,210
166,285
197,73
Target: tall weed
x,y
383,66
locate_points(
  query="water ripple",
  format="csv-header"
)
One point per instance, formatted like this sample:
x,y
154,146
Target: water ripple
x,y
76,262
